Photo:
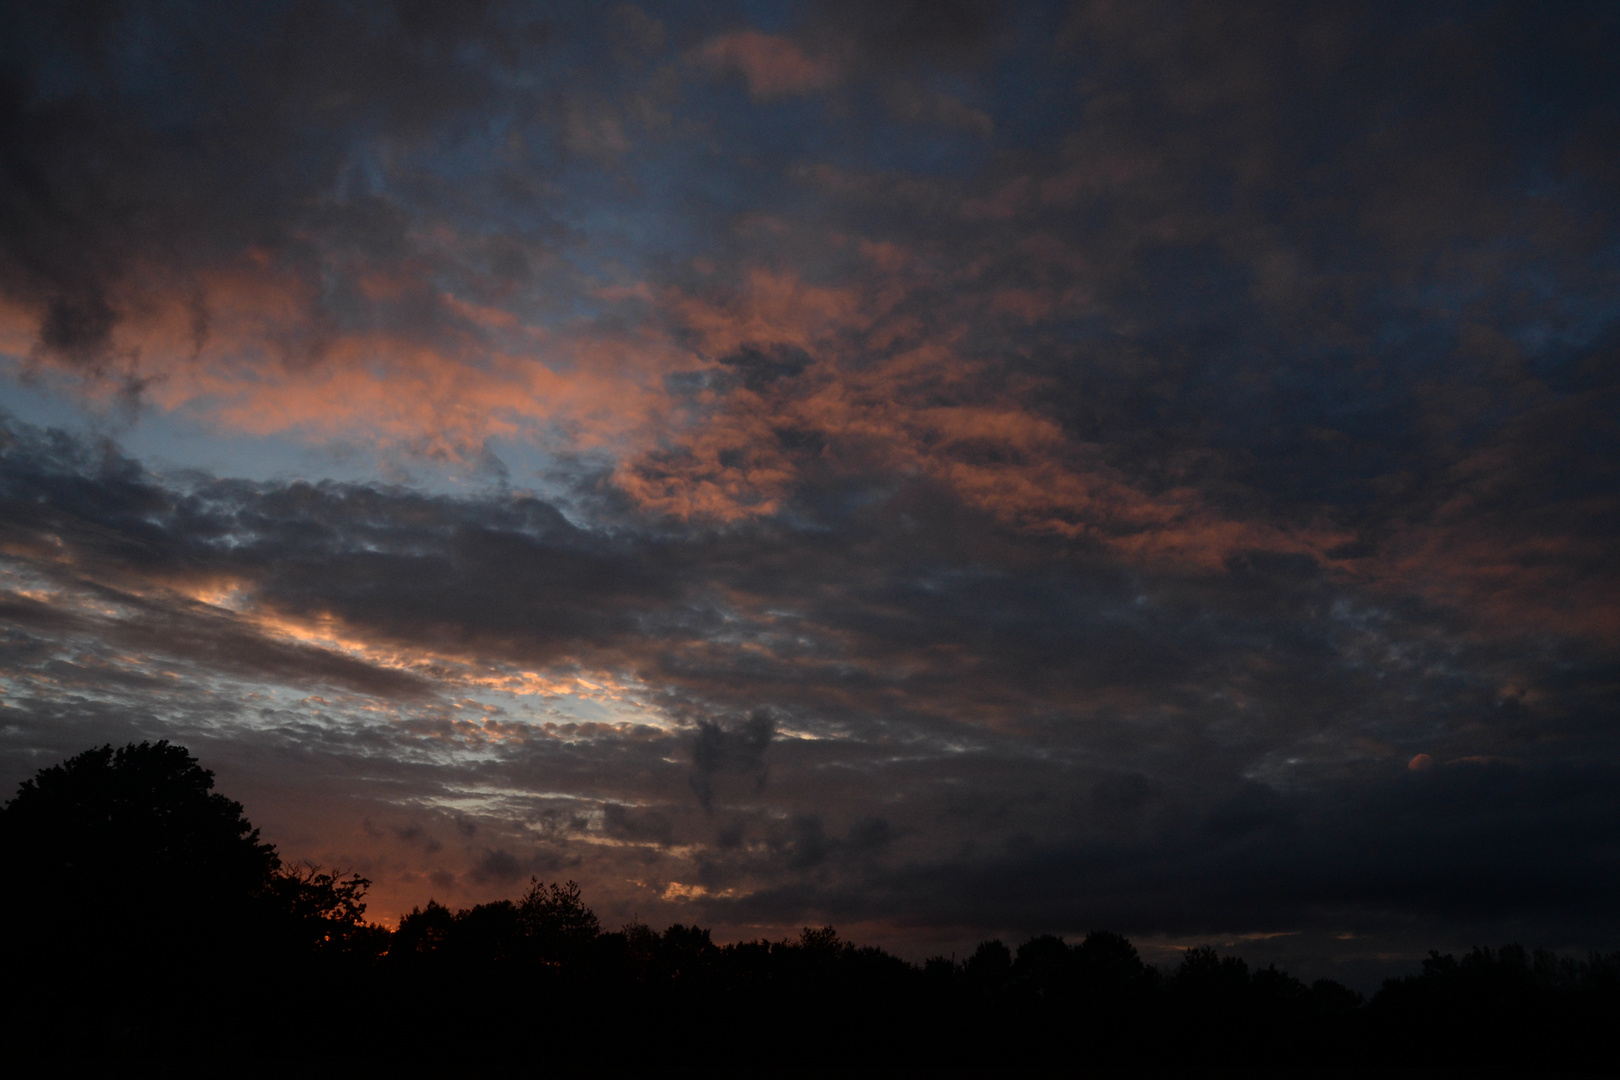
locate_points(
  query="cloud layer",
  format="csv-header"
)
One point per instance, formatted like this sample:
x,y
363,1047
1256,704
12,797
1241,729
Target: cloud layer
x,y
949,471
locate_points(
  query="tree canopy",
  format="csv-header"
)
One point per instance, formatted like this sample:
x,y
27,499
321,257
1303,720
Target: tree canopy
x,y
136,890
131,853
136,831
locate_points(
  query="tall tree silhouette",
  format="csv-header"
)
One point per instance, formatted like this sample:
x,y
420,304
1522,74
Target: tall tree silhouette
x,y
133,887
558,924
132,838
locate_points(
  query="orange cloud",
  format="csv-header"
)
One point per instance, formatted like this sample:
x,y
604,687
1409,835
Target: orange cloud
x,y
249,348
1004,203
773,66
876,387
1540,582
993,446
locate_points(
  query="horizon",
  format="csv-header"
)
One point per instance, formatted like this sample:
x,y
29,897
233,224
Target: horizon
x,y
947,472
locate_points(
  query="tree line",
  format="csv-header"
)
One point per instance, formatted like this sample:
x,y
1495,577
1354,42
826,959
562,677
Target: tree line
x,y
145,917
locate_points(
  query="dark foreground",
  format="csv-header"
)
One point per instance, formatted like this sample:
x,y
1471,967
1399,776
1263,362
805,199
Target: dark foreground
x,y
147,926
521,983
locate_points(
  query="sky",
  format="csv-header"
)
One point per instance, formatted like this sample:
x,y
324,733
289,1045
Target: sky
x,y
946,470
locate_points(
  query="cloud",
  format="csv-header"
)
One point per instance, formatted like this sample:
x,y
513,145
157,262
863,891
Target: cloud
x,y
1466,855
943,35
1087,453
498,867
773,66
248,172
378,310
716,750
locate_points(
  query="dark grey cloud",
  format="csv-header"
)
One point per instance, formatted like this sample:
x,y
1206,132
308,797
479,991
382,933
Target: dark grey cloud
x,y
1285,236
636,824
295,130
498,867
1468,844
413,834
944,34
717,750
1471,851
1297,656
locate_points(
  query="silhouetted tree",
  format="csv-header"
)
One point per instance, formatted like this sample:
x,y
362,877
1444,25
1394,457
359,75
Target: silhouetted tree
x,y
322,912
148,896
1467,1009
1205,973
139,900
1044,970
685,953
143,814
989,969
1108,964
558,925
942,974
128,859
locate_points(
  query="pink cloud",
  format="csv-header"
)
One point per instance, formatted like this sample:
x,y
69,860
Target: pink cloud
x,y
993,448
773,66
269,363
876,389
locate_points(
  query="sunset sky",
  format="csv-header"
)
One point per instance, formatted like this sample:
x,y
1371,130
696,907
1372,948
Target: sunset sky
x,y
944,469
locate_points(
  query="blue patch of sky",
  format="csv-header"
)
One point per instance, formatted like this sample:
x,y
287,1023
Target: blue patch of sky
x,y
782,133
671,195
676,212
57,70
919,149
605,218
150,64
187,440
1561,316
1192,287
771,16
1089,328
1031,87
